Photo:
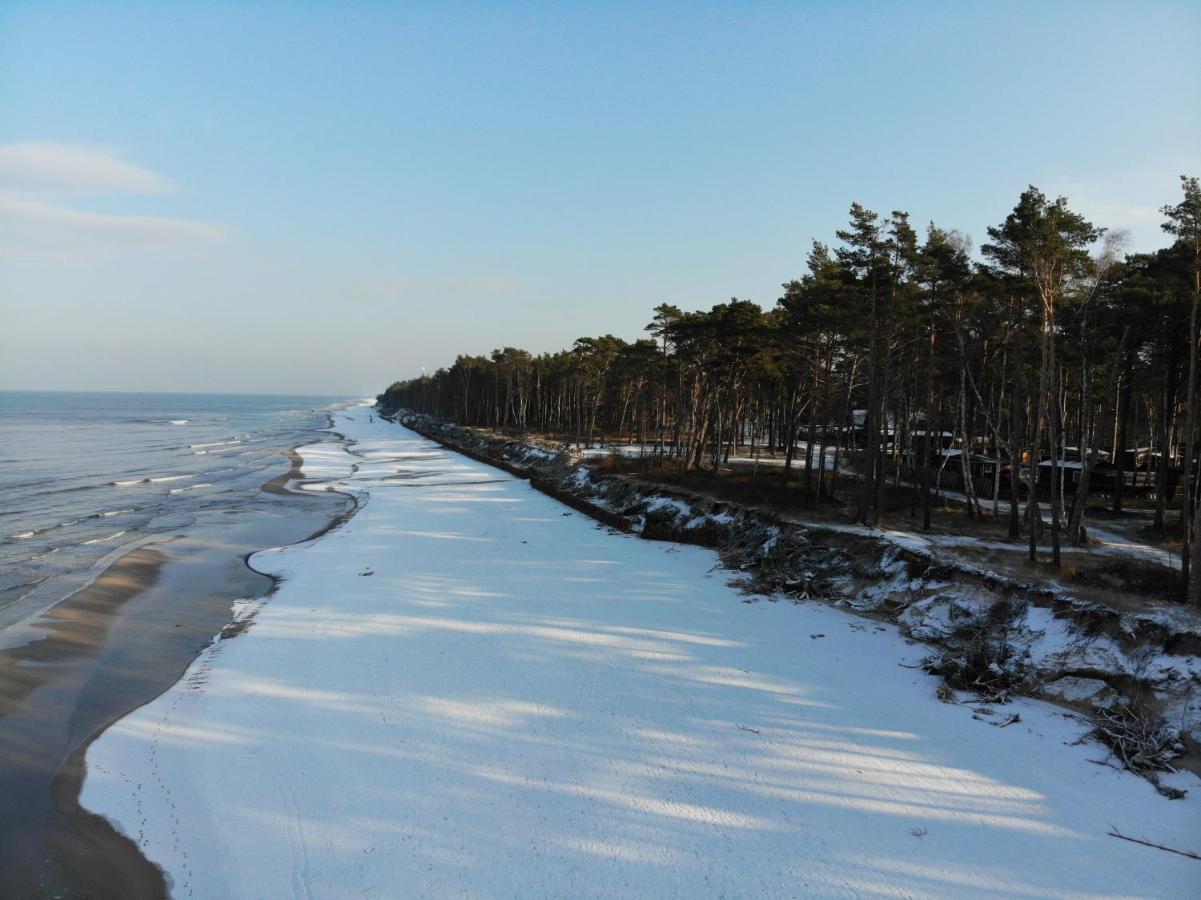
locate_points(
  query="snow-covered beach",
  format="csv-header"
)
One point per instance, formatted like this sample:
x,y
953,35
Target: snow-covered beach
x,y
468,689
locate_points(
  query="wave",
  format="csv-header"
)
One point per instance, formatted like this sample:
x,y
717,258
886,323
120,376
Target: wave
x,y
46,485
113,512
25,535
190,487
158,479
21,586
107,537
227,447
161,479
214,444
180,421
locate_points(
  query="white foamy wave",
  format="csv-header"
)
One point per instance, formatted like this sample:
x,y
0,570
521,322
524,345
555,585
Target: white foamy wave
x,y
190,487
107,537
113,512
24,535
157,480
213,444
180,421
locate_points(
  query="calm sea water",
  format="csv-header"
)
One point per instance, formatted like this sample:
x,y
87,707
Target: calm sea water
x,y
85,475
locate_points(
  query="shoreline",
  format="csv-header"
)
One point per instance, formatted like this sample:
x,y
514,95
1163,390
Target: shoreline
x,y
17,616
107,649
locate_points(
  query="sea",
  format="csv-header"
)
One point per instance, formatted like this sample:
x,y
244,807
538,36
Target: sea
x,y
85,477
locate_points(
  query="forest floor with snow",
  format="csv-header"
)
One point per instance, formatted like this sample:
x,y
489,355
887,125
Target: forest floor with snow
x,y
1125,561
469,688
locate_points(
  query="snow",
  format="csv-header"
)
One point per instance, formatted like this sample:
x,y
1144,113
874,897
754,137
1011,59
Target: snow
x,y
676,507
1109,543
626,450
740,458
938,615
709,521
528,455
468,689
907,540
1077,689
1102,542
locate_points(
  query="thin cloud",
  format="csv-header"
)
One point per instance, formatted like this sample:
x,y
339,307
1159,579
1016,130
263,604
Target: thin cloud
x,y
34,230
51,167
35,176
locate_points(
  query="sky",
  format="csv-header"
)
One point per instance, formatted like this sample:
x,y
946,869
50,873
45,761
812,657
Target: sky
x,y
325,197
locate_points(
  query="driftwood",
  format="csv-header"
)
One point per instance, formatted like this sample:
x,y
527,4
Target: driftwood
x,y
1141,740
1189,853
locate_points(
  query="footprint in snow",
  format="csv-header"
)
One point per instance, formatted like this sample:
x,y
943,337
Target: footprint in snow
x,y
367,572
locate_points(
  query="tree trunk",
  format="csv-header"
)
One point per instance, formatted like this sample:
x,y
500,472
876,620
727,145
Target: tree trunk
x,y
1033,513
1186,508
1194,584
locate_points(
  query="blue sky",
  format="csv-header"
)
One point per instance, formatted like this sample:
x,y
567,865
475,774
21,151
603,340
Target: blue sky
x,y
324,197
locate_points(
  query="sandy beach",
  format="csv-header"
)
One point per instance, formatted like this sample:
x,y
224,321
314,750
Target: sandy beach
x,y
469,689
69,672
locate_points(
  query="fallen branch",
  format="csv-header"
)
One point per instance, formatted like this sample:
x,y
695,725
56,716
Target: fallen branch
x,y
1189,853
1141,740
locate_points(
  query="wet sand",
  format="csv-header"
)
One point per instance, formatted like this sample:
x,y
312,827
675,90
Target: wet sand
x,y
103,652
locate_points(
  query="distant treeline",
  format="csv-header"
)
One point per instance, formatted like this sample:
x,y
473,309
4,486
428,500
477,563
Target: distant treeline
x,y
1056,346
